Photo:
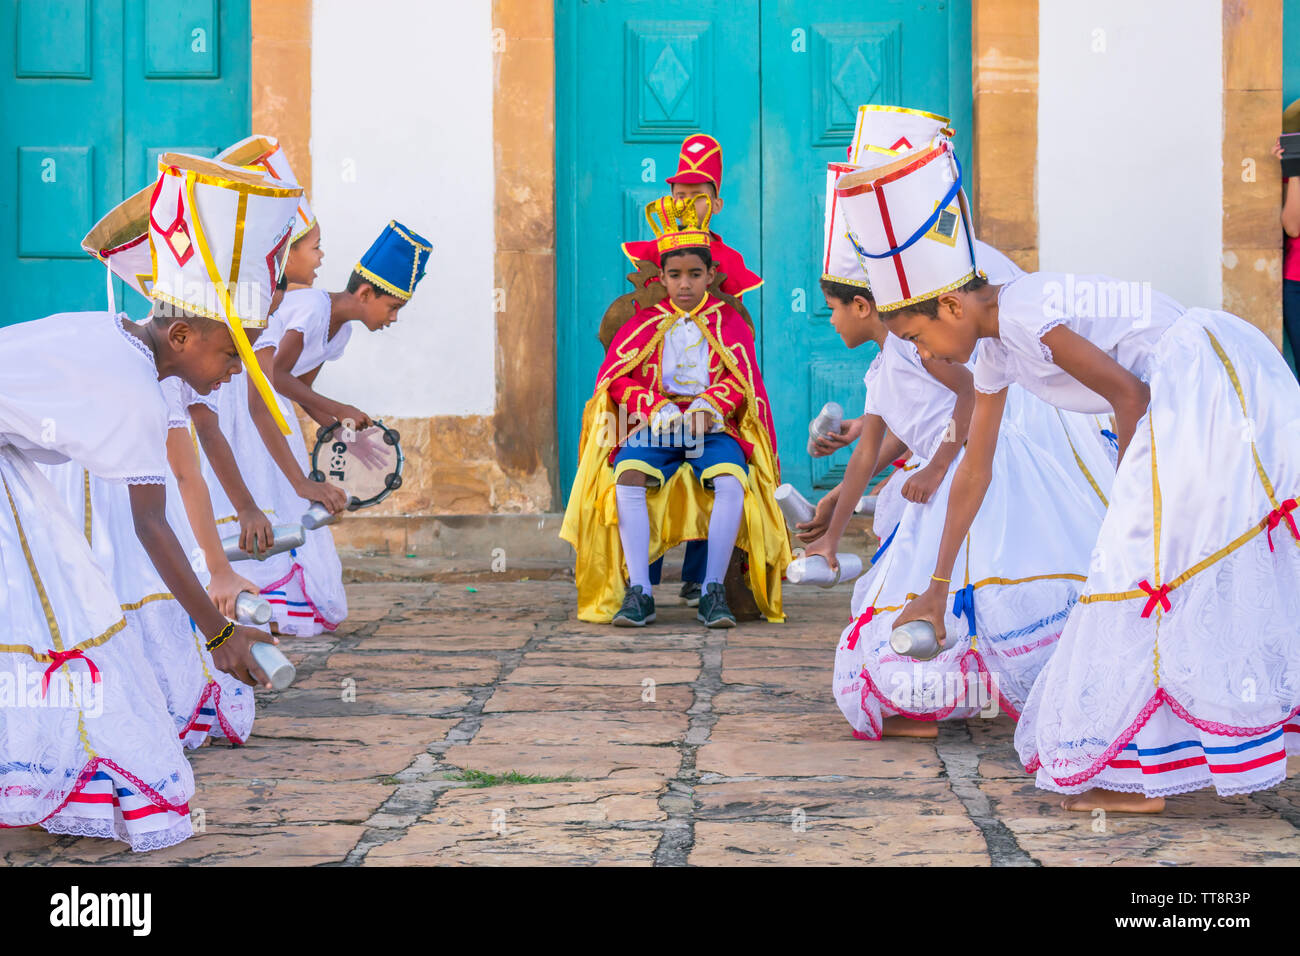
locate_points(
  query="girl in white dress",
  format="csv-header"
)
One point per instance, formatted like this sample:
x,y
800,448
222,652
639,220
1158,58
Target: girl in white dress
x,y
201,699
1179,668
1016,584
256,474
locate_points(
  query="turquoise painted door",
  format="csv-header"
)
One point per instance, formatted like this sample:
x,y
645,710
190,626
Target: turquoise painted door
x,y
92,91
778,83
633,79
822,59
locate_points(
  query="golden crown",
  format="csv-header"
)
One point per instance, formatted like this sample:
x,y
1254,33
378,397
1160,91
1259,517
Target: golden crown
x,y
677,223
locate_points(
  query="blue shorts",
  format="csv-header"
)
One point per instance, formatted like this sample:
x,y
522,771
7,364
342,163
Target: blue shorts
x,y
659,457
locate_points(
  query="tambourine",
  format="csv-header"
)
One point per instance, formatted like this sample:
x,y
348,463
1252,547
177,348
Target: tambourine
x,y
366,464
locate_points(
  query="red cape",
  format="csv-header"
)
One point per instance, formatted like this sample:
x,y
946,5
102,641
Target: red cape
x,y
632,368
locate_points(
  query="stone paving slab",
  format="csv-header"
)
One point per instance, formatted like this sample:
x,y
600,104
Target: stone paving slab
x,y
670,745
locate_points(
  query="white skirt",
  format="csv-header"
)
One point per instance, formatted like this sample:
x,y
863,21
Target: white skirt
x,y
303,586
95,752
1180,666
202,700
1019,573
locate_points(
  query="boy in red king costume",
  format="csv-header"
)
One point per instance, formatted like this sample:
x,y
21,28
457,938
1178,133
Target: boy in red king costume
x,y
699,173
685,374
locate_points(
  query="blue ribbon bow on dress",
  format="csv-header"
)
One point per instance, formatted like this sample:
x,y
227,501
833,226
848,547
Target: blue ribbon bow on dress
x,y
963,602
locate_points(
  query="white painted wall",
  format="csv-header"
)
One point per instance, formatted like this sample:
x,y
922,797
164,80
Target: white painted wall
x,y
1130,142
401,128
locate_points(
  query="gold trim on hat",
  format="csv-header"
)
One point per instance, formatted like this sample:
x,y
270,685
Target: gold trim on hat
x,y
242,345
859,283
929,295
382,283
214,173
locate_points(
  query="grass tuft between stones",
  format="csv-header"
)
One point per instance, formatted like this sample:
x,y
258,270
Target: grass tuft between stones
x,y
481,778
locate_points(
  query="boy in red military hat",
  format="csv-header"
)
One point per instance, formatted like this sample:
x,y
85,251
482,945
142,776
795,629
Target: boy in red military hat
x,y
699,173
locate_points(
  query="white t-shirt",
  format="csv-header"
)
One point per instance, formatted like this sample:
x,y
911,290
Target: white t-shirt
x,y
306,311
1123,319
78,386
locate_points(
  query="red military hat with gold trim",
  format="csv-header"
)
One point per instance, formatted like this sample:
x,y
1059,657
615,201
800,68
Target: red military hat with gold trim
x,y
700,161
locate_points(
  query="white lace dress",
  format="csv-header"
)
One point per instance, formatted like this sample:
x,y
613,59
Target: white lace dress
x,y
1179,668
1017,575
304,586
87,745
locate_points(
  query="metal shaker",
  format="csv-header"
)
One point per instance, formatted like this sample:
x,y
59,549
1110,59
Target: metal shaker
x,y
287,537
279,670
827,423
317,516
915,639
796,508
252,608
816,570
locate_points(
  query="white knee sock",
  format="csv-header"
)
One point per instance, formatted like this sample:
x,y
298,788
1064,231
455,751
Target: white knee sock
x,y
724,523
634,532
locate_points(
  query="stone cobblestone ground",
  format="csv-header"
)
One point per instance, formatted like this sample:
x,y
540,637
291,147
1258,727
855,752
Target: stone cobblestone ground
x,y
737,756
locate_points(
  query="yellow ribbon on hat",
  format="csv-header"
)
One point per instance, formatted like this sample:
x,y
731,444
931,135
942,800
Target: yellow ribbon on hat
x,y
236,327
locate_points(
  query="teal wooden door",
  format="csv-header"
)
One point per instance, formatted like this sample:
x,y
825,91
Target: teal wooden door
x,y
821,59
92,91
633,79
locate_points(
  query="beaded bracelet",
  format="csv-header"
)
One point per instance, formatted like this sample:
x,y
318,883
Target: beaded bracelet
x,y
221,637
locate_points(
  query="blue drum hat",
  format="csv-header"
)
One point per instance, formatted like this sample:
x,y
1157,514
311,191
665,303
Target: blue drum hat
x,y
395,261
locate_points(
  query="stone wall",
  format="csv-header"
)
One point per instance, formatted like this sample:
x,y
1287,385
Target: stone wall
x,y
1252,178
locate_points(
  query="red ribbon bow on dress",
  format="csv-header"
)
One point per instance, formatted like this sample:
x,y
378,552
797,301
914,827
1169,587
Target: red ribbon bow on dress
x,y
58,659
863,618
1154,595
1279,514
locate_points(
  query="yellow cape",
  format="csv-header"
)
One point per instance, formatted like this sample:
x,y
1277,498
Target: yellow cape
x,y
679,510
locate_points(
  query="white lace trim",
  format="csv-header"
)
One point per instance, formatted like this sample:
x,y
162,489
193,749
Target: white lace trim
x,y
114,830
1201,783
143,480
990,391
1043,330
178,423
134,340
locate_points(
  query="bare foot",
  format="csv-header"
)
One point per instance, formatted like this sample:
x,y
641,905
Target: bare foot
x,y
906,727
1113,801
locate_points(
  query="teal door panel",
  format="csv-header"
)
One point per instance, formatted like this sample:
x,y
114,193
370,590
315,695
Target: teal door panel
x,y
634,79
821,59
60,150
93,92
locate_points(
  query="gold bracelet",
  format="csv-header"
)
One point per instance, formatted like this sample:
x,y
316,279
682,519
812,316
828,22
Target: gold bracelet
x,y
222,636
935,577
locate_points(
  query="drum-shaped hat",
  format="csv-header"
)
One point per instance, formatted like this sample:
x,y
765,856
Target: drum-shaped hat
x,y
909,221
265,153
219,236
840,262
121,241
395,261
891,131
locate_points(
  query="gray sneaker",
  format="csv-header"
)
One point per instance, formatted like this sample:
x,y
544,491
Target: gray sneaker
x,y
690,593
638,608
713,610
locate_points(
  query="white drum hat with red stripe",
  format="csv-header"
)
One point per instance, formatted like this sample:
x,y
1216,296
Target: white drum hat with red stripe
x,y
887,131
909,222
840,262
